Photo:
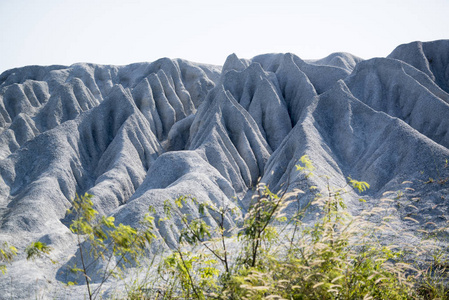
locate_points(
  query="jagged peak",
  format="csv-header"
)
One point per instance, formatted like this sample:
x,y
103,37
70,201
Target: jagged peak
x,y
384,122
234,63
432,58
413,54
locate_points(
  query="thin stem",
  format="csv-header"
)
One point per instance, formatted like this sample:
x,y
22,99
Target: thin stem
x,y
84,267
223,260
188,273
109,273
223,243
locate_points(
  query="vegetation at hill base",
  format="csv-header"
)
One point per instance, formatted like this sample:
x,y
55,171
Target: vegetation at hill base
x,y
269,255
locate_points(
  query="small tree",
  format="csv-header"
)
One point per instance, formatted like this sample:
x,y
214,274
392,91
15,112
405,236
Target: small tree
x,y
100,239
196,272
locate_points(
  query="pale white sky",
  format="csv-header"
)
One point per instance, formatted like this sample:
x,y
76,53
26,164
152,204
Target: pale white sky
x,y
44,32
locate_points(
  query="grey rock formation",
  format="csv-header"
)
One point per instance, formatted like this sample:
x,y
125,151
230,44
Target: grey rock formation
x,y
137,135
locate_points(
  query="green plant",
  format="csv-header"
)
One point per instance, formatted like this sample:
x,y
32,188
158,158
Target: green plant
x,y
38,249
337,256
100,239
195,275
259,230
7,253
196,272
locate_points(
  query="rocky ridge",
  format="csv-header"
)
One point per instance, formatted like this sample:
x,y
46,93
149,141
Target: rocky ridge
x,y
136,135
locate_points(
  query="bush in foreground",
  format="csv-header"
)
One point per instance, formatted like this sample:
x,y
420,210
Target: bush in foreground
x,y
338,256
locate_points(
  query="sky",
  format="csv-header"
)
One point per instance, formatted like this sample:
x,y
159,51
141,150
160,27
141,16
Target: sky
x,y
46,32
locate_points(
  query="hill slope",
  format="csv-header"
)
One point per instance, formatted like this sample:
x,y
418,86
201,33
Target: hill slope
x,y
136,135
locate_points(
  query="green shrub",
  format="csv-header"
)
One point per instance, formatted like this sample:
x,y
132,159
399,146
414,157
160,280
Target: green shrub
x,y
100,239
7,253
339,256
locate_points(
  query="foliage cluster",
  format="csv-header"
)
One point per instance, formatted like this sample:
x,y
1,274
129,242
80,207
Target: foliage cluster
x,y
7,253
270,255
99,239
337,257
